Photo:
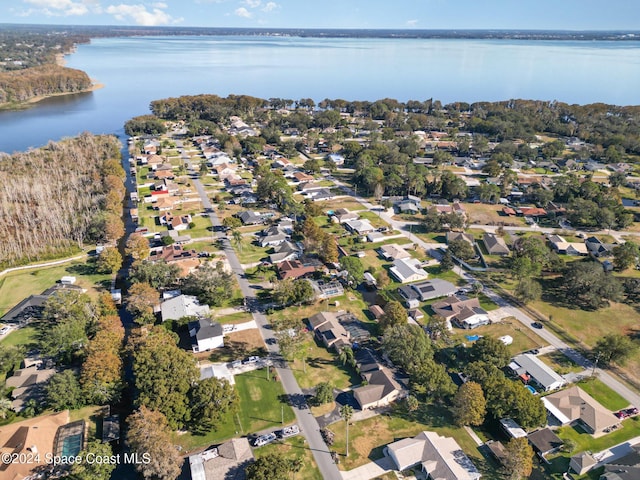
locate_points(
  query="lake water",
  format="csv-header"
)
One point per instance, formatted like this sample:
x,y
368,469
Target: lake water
x,y
137,70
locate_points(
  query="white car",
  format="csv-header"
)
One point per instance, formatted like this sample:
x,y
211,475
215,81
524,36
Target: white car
x,y
264,439
291,431
4,330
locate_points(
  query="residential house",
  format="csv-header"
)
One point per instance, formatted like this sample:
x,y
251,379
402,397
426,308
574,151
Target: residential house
x,y
321,194
624,468
29,384
374,237
451,236
408,270
455,207
575,406
329,330
441,458
561,246
597,248
179,222
281,162
416,314
463,313
381,389
410,205
205,335
31,439
531,212
302,177
164,204
582,462
250,218
285,251
531,369
495,245
342,215
508,211
295,269
336,158
224,462
176,238
187,260
545,442
182,306
392,252
497,451
428,290
360,227
272,237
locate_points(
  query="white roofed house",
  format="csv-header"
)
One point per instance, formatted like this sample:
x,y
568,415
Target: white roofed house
x,y
361,227
441,458
463,313
531,369
408,270
183,306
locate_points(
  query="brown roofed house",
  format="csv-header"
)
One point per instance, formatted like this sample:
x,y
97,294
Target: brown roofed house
x,y
294,269
329,330
464,313
574,405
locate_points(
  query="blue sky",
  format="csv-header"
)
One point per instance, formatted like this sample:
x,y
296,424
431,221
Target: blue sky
x,y
396,14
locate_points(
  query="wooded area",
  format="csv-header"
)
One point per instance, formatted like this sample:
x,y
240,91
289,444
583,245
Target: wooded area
x,y
59,196
21,85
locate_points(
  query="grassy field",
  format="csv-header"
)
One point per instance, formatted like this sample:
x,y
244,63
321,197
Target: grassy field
x,y
490,215
238,345
609,398
291,448
16,286
323,366
261,407
560,363
368,438
25,336
248,251
523,339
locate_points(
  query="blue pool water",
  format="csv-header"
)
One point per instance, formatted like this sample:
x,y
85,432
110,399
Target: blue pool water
x,y
531,389
72,445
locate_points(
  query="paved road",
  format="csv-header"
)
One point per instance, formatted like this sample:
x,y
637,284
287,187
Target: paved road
x,y
308,424
631,396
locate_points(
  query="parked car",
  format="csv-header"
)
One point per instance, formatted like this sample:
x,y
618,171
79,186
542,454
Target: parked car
x,y
631,411
264,439
621,414
4,330
252,359
291,431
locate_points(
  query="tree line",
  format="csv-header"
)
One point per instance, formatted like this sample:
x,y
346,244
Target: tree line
x,y
56,198
21,85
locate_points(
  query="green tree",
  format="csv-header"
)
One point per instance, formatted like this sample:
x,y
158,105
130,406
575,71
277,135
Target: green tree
x,y
324,393
211,284
210,400
614,348
236,236
354,268
625,255
618,179
432,221
93,470
232,222
518,461
438,328
461,249
109,260
273,466
432,380
528,410
446,262
164,375
156,274
412,403
6,408
407,345
587,285
63,391
149,436
469,405
528,290
394,314
491,351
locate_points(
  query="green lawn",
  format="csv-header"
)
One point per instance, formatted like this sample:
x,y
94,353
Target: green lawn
x,y
248,251
25,336
234,318
523,339
368,438
560,363
609,398
290,448
261,407
16,286
322,365
586,442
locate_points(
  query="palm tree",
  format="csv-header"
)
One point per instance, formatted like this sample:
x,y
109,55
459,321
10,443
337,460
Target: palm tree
x,y
346,412
237,239
5,408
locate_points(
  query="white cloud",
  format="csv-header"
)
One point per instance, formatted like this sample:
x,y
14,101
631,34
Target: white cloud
x,y
160,5
243,12
412,23
140,15
252,3
56,8
270,6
